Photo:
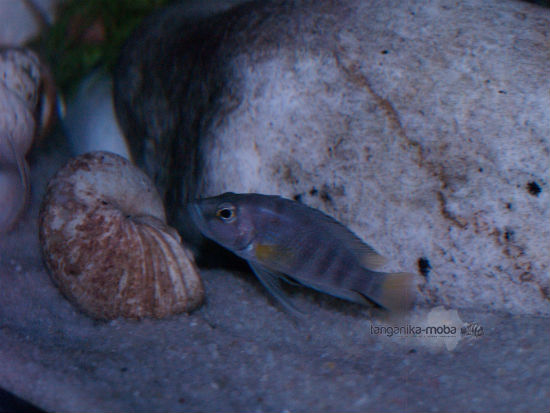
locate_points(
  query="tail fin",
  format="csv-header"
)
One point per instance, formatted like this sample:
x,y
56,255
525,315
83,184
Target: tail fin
x,y
395,292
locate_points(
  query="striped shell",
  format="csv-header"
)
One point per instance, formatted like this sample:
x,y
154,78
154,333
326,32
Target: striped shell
x,y
27,102
106,244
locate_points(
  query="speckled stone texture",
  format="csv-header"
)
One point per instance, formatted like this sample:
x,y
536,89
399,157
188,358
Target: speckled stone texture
x,y
423,126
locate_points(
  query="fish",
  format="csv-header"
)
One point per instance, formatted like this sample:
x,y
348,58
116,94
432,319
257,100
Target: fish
x,y
286,241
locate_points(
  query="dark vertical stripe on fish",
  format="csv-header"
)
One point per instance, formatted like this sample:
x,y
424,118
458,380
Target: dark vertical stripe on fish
x,y
322,262
306,252
340,270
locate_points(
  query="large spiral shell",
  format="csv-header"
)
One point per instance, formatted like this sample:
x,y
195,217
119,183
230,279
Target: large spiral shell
x,y
106,244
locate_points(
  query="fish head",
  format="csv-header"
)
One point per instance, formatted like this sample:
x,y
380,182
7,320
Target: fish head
x,y
225,219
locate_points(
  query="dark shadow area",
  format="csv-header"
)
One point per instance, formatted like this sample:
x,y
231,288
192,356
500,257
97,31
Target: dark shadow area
x,y
10,403
543,3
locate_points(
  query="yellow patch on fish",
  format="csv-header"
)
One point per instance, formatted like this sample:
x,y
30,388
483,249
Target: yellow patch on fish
x,y
270,252
397,291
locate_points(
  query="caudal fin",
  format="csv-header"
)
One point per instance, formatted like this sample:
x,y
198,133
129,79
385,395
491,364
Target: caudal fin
x,y
396,292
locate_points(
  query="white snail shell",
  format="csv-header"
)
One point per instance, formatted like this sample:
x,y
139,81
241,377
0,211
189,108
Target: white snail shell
x,y
106,245
27,100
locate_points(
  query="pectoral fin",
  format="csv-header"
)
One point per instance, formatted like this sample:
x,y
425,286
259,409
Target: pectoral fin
x,y
271,281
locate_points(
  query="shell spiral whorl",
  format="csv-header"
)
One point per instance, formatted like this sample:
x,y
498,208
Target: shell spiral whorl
x,y
106,244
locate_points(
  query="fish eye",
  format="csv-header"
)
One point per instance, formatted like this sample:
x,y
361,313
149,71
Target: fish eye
x,y
226,213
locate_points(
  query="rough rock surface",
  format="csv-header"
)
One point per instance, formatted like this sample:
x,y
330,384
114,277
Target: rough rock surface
x,y
423,126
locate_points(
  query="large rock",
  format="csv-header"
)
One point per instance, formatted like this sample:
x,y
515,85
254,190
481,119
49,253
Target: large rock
x,y
423,126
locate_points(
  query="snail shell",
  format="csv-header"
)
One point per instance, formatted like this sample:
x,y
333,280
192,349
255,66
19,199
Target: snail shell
x,y
27,100
106,245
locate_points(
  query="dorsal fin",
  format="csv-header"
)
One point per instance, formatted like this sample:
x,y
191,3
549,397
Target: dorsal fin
x,y
368,257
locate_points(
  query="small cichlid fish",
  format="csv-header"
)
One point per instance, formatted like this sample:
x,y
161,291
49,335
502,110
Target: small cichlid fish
x,y
286,240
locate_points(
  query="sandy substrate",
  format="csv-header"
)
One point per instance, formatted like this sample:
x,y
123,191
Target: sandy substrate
x,y
241,353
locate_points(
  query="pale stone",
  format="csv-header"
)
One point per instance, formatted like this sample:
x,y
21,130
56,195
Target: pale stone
x,y
424,128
